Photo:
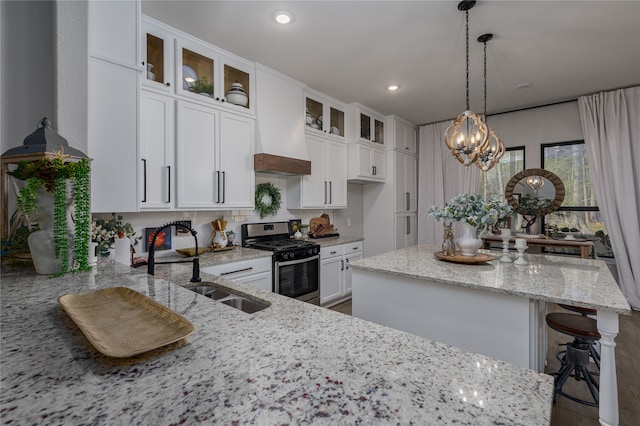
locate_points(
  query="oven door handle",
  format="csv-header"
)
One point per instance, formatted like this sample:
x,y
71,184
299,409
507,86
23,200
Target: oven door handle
x,y
295,262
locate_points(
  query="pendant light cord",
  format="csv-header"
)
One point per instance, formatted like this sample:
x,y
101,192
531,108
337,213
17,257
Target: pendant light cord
x,y
485,80
466,13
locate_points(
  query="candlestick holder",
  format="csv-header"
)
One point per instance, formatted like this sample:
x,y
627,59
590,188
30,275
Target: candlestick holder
x,y
520,260
505,250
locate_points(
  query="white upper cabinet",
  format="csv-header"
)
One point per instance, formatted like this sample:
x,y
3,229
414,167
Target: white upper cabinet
x,y
324,115
237,136
368,125
366,163
157,56
403,134
113,31
157,145
177,63
326,186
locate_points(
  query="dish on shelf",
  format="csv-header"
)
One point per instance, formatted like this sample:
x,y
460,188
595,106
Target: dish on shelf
x,y
188,73
459,258
529,236
120,322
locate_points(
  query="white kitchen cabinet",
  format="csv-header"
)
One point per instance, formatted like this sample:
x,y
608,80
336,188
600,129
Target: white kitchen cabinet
x,y
113,136
113,31
405,182
256,273
326,186
404,134
406,230
335,271
367,125
157,53
214,158
366,163
324,115
157,145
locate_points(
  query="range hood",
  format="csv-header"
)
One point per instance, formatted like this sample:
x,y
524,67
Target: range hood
x,y
280,138
287,166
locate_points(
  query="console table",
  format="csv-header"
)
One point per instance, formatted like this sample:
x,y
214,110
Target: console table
x,y
584,246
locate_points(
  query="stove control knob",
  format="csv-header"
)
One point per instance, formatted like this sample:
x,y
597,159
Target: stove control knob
x,y
288,255
310,251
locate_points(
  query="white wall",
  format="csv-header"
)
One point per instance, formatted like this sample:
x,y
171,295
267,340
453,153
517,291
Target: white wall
x,y
532,127
26,58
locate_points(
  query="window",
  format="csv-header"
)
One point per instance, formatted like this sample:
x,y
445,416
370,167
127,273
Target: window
x,y
493,182
579,211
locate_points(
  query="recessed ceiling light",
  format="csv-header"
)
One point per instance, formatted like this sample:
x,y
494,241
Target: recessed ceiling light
x,y
283,17
523,86
393,87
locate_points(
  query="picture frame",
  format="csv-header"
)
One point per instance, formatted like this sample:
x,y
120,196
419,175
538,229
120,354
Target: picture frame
x,y
181,231
163,242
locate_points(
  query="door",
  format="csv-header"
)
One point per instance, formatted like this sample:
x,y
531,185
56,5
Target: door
x,y
156,151
157,57
330,278
336,175
347,270
237,136
378,160
405,168
198,182
406,230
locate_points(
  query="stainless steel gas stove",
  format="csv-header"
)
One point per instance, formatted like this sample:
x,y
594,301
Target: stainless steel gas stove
x,y
296,263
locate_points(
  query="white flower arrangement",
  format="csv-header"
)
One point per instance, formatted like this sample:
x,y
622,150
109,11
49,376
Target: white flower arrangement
x,y
473,210
105,232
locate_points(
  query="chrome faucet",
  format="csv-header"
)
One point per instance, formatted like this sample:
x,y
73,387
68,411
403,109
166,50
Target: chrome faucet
x,y
195,278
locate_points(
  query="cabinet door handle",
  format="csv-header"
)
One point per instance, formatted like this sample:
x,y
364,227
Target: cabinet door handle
x,y
224,186
168,184
167,84
144,180
408,200
408,225
355,248
341,265
218,183
330,193
235,272
325,192
347,267
332,252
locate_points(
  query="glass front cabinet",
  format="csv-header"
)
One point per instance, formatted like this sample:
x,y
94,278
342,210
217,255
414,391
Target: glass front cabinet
x,y
180,64
368,125
324,115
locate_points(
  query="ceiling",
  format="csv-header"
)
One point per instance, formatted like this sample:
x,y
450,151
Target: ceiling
x,y
351,50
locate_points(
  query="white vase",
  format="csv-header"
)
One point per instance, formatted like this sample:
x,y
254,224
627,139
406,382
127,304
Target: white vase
x,y
468,242
123,250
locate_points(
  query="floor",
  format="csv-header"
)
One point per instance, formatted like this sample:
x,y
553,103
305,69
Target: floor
x,y
568,413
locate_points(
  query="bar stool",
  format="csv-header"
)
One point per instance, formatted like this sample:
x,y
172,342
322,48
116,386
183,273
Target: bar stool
x,y
575,359
593,349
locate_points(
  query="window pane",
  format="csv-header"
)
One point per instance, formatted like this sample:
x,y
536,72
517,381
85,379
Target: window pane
x,y
493,182
569,163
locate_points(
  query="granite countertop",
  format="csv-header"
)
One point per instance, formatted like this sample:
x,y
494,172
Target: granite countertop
x,y
334,241
558,279
292,363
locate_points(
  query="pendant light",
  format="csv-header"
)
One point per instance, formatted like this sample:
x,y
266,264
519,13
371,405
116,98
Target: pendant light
x,y
492,155
468,136
534,182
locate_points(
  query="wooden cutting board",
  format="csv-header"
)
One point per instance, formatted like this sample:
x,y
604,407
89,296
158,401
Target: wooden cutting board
x,y
318,221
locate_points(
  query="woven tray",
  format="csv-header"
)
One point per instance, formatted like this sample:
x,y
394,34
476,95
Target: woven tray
x,y
120,322
458,258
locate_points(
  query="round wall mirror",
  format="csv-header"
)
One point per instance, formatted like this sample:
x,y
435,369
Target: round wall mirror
x,y
550,192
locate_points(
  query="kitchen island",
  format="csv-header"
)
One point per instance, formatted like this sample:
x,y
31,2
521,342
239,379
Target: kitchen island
x,y
492,308
291,363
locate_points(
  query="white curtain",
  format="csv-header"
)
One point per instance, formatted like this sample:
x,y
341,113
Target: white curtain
x,y
611,127
440,178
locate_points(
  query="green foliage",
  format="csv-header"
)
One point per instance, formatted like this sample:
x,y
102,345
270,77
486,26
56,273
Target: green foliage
x,y
532,205
202,86
274,193
82,216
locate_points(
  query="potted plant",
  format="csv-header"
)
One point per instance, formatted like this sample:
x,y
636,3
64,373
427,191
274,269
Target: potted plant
x,y
201,86
105,232
55,187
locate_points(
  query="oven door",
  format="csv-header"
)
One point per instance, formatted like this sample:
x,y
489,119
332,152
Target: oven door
x,y
299,279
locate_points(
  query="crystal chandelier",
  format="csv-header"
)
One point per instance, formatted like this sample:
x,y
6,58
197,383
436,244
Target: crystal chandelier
x,y
492,155
468,136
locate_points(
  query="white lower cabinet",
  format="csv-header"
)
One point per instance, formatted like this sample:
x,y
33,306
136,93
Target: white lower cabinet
x,y
406,230
256,273
335,272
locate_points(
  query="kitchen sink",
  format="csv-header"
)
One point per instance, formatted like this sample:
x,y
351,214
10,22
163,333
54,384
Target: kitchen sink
x,y
245,305
210,291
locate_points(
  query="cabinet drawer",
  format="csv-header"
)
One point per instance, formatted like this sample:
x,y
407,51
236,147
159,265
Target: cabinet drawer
x,y
240,269
352,247
332,251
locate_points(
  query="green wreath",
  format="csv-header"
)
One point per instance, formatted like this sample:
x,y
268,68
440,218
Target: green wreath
x,y
273,192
